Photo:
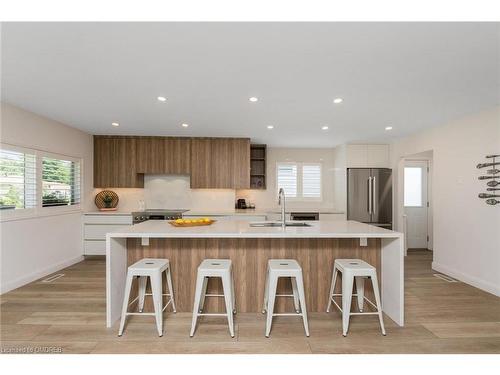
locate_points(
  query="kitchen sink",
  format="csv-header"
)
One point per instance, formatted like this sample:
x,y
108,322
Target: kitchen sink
x,y
279,224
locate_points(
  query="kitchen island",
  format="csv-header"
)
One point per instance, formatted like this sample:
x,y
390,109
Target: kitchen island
x,y
315,247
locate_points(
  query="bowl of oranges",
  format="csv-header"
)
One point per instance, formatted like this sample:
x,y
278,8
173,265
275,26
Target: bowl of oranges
x,y
192,222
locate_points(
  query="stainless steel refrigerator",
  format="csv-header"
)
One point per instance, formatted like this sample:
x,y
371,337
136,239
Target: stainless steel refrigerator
x,y
369,196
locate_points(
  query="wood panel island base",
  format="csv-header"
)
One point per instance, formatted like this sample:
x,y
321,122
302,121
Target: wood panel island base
x,y
249,248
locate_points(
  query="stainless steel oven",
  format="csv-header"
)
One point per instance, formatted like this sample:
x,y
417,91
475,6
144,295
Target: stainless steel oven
x,y
156,214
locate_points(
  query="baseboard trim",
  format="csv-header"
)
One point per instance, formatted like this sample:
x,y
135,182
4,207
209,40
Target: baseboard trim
x,y
7,287
478,283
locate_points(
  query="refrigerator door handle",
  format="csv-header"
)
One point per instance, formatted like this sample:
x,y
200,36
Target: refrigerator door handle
x,y
374,195
369,181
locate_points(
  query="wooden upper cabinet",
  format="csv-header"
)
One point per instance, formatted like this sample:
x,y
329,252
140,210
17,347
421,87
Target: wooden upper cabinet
x,y
114,163
241,159
201,162
220,163
216,163
163,155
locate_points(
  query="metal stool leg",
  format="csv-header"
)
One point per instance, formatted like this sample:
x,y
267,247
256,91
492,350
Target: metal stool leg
x,y
377,300
156,289
295,295
347,281
143,281
128,287
273,282
196,303
302,297
332,288
360,291
171,289
226,286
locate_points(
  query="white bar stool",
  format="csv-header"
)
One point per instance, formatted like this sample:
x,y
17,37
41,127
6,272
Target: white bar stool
x,y
277,268
152,268
214,268
354,270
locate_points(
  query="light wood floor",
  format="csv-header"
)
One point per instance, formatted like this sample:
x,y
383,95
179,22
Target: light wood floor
x,y
69,315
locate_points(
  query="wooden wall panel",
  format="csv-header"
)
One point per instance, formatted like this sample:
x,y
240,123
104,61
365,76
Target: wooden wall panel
x,y
249,257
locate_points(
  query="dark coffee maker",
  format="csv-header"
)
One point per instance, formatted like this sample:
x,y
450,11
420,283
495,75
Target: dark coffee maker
x,y
241,203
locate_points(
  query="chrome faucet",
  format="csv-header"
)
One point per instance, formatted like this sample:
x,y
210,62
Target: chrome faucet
x,y
281,202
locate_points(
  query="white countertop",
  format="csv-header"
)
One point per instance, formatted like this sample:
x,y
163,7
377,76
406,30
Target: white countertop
x,y
242,229
123,213
233,212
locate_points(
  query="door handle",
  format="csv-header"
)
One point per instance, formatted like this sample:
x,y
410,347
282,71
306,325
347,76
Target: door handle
x,y
369,195
374,195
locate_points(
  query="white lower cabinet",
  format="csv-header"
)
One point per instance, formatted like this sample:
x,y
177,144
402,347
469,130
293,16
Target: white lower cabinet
x,y
95,227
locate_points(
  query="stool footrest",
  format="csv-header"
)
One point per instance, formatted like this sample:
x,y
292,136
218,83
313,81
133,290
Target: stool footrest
x,y
284,295
287,314
147,314
214,295
212,314
354,295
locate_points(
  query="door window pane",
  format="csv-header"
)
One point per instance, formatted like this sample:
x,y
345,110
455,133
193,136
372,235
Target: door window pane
x,y
413,187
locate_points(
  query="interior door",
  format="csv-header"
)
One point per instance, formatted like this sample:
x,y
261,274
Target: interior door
x,y
416,203
382,197
358,180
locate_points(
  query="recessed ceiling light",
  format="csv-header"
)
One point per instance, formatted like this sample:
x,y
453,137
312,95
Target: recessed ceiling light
x,y
185,125
338,100
324,127
253,99
270,126
115,124
162,99
388,128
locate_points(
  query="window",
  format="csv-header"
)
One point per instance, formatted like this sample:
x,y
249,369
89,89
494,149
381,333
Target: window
x,y
17,180
287,179
60,182
413,187
311,181
33,182
301,181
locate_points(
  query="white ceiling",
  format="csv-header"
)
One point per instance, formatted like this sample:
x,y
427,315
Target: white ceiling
x,y
409,76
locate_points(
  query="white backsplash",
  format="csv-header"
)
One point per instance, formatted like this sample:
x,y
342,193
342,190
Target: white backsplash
x,y
162,191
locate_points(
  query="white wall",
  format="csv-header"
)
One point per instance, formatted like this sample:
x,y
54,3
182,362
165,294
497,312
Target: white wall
x,y
466,229
34,247
265,199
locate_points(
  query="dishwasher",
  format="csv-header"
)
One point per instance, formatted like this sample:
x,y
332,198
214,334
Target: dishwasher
x,y
304,216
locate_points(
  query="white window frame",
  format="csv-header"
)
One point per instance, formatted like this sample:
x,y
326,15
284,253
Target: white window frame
x,y
300,197
39,210
21,212
56,209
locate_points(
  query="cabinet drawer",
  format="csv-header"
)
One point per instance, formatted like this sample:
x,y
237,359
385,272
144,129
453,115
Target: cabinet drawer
x,y
107,219
98,232
94,247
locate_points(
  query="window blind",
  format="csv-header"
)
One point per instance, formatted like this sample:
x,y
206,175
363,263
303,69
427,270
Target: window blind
x,y
311,181
287,179
17,180
60,182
